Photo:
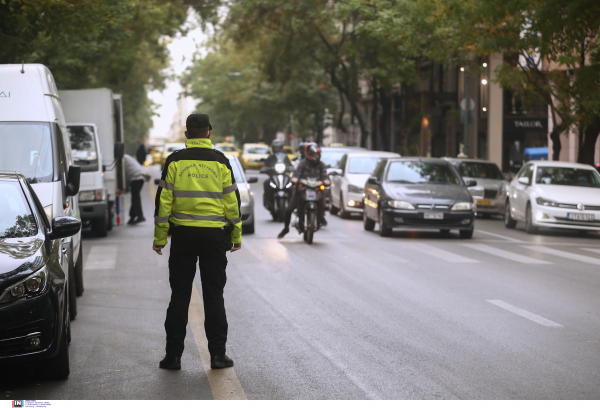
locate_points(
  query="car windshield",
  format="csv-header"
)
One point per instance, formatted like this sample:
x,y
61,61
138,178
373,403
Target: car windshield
x,y
16,219
363,165
27,149
225,148
331,158
83,144
413,172
479,170
288,150
173,148
257,150
567,176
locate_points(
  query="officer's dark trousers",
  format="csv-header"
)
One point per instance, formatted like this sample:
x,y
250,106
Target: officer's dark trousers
x,y
136,202
208,246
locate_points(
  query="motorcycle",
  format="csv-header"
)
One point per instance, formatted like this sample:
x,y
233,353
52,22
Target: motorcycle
x,y
279,180
311,191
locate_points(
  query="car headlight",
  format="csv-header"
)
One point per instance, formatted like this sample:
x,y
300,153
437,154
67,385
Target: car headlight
x,y
31,286
48,211
244,196
280,168
354,189
545,202
91,195
462,206
402,205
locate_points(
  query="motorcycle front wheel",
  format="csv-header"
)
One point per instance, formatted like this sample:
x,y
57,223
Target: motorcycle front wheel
x,y
310,226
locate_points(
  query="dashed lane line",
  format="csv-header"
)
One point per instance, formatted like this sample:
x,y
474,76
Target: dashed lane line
x,y
447,256
506,254
564,254
224,383
524,313
478,231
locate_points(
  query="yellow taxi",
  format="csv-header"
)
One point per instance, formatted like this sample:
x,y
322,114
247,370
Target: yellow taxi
x,y
156,153
290,152
169,148
228,148
253,155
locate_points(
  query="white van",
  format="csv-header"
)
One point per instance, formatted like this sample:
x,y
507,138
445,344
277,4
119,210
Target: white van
x,y
34,142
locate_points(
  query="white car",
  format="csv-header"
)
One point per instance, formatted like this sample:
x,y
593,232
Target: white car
x,y
554,195
348,180
246,195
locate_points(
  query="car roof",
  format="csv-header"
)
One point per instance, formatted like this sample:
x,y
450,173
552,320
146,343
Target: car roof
x,y
458,159
546,163
422,159
10,175
372,153
341,148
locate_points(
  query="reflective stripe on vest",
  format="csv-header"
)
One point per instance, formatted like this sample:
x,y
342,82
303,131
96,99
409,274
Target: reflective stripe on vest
x,y
164,184
160,220
197,194
230,189
181,216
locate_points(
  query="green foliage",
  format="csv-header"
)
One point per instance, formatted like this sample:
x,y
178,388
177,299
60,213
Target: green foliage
x,y
96,43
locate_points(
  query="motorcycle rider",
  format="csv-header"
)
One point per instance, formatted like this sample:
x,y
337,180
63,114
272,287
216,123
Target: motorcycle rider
x,y
310,167
277,156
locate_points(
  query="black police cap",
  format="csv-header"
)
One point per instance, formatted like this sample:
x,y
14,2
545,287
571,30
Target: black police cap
x,y
198,120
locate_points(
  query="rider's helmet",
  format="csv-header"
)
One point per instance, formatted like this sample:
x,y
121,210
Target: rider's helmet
x,y
313,152
276,146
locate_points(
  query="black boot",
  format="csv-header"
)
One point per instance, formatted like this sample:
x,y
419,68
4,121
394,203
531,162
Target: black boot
x,y
170,363
220,361
284,231
300,228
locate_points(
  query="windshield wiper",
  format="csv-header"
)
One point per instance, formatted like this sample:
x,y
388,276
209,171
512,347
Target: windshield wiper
x,y
32,180
84,161
401,181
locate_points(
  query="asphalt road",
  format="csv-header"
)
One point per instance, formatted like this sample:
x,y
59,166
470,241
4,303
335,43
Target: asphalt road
x,y
504,315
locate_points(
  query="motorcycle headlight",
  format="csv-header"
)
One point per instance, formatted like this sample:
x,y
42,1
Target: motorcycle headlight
x,y
354,189
401,205
280,168
32,285
545,202
462,206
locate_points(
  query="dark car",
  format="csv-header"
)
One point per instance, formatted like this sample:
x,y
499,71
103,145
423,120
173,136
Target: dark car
x,y
34,312
418,193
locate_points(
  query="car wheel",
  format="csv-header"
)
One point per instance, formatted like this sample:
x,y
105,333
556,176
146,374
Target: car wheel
x,y
79,272
72,291
444,231
368,223
333,210
343,213
384,230
509,222
529,227
249,229
466,234
57,368
100,226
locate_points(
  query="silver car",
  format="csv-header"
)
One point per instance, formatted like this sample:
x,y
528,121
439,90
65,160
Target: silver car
x,y
246,195
490,192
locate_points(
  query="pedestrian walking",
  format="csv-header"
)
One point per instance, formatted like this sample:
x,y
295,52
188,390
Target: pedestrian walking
x,y
198,204
134,177
141,153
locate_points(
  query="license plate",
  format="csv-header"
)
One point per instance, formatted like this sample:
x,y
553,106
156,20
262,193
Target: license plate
x,y
581,217
281,193
311,195
484,202
433,216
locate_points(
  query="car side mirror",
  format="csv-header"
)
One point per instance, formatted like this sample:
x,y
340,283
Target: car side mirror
x,y
523,180
157,181
471,183
63,227
119,150
373,180
335,173
73,180
252,180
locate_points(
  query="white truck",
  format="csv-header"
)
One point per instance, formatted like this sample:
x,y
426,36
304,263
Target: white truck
x,y
95,126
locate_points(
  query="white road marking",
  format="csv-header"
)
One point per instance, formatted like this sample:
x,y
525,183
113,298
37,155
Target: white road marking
x,y
596,250
478,231
102,257
564,254
439,253
224,383
524,313
506,254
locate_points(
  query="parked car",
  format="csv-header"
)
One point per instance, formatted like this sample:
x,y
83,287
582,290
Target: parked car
x,y
291,154
331,156
35,143
246,195
418,193
554,195
156,154
253,155
35,285
348,180
490,192
169,148
228,148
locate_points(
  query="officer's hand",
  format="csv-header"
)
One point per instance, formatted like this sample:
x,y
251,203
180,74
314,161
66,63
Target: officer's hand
x,y
158,248
327,182
294,180
236,247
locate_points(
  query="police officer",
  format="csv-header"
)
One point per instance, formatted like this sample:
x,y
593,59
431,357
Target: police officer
x,y
198,195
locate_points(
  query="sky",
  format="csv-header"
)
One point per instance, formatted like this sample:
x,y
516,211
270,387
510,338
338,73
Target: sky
x,y
182,51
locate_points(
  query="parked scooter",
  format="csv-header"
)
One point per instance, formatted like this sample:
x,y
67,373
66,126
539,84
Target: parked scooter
x,y
311,191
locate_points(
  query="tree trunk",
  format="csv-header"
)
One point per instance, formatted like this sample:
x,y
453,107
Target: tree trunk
x,y
385,120
587,148
556,144
374,109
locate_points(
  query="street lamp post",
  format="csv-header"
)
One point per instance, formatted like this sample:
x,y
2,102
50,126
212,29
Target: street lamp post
x,y
468,112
